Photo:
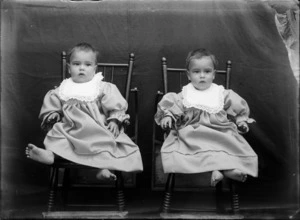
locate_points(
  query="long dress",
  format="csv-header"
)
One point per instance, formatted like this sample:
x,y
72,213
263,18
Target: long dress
x,y
204,136
82,135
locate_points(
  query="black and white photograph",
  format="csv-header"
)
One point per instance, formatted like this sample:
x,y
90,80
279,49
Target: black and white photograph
x,y
149,109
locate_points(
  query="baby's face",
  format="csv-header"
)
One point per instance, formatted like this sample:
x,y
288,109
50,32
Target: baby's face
x,y
82,66
201,73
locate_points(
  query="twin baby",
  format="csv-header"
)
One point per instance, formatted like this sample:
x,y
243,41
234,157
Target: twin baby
x,y
87,115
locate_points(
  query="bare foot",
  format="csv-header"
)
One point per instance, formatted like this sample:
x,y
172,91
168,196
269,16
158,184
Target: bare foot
x,y
38,154
105,174
236,174
216,177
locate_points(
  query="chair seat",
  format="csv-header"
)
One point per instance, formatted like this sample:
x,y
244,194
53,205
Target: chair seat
x,y
63,163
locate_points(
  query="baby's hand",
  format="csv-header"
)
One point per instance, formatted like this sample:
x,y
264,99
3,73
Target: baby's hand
x,y
53,118
166,122
243,127
114,128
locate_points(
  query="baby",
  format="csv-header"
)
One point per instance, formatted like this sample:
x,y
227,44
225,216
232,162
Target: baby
x,y
202,137
84,116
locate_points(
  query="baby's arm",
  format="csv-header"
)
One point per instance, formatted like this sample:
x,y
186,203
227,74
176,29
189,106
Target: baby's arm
x,y
51,111
114,107
114,127
169,111
238,110
166,122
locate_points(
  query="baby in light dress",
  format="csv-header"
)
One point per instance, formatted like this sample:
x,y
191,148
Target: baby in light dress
x,y
206,121
87,115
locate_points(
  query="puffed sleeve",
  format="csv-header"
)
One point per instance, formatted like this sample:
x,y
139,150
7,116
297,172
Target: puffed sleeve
x,y
51,104
113,103
236,107
170,105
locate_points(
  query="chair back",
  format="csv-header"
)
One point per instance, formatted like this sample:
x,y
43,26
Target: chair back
x,y
175,78
117,73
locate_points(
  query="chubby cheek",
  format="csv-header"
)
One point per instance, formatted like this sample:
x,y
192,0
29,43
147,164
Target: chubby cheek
x,y
72,71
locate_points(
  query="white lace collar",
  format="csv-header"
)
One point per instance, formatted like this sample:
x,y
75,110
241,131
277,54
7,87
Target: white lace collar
x,y
210,100
87,91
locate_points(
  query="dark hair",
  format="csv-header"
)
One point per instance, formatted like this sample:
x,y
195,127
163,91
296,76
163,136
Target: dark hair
x,y
82,47
198,54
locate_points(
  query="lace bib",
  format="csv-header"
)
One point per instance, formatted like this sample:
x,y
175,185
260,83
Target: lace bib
x,y
210,100
88,91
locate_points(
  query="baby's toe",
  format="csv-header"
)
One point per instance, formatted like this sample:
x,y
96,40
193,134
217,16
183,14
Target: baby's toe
x,y
29,147
113,177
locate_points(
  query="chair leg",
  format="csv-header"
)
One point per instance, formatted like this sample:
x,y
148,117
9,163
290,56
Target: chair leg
x,y
53,187
220,197
168,192
65,186
234,197
120,191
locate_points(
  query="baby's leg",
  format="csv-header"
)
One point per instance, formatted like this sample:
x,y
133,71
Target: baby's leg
x,y
235,174
105,174
216,177
38,154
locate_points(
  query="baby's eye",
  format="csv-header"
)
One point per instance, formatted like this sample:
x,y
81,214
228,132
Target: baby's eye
x,y
208,71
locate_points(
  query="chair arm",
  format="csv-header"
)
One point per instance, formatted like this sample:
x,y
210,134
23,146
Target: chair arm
x,y
158,97
136,104
155,140
136,111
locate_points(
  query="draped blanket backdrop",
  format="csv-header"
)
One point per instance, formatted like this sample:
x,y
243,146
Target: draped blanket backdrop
x,y
33,34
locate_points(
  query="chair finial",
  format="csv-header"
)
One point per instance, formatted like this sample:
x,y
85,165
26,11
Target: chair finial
x,y
229,62
131,56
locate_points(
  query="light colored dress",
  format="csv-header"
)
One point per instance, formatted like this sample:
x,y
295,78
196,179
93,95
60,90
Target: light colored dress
x,y
82,135
203,137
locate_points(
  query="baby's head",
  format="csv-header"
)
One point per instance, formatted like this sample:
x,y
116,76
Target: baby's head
x,y
201,67
82,62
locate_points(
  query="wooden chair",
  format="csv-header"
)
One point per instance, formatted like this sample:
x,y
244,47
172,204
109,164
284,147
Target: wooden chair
x,y
110,71
179,76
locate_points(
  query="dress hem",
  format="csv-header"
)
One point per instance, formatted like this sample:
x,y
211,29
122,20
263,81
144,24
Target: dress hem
x,y
200,163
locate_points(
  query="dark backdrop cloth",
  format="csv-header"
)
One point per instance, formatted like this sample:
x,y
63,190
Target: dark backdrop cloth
x,y
33,34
